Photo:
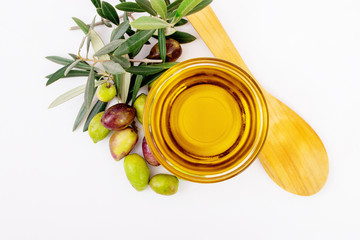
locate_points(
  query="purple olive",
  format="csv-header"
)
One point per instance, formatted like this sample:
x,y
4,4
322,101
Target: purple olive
x,y
118,116
173,51
149,157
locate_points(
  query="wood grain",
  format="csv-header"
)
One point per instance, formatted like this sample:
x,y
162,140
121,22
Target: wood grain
x,y
293,154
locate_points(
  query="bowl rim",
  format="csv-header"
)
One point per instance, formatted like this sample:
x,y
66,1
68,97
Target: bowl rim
x,y
256,146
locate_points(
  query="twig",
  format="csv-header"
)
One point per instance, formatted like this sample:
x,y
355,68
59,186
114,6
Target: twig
x,y
101,23
145,60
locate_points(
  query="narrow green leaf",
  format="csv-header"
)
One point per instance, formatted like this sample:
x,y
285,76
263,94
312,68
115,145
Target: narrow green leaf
x,y
167,2
57,75
97,44
80,116
168,31
181,22
134,42
113,67
66,61
106,23
182,37
148,23
110,12
151,78
97,3
119,31
130,32
98,107
144,70
71,94
173,6
162,45
71,66
145,4
136,88
199,7
185,7
122,61
117,80
110,47
125,85
160,7
90,89
82,25
134,53
129,7
166,65
76,73
100,12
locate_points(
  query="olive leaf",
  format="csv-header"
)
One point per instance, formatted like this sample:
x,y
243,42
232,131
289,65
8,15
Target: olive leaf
x,y
148,23
134,53
168,31
151,78
173,6
185,7
182,37
181,22
80,116
160,7
57,75
74,73
124,62
97,3
145,4
136,87
113,67
117,81
106,23
71,94
71,66
66,61
162,45
150,69
100,12
108,48
110,12
125,85
119,31
81,25
129,7
97,44
89,89
98,107
199,7
134,42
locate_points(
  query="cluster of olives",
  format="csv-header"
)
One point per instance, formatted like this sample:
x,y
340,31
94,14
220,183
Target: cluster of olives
x,y
119,118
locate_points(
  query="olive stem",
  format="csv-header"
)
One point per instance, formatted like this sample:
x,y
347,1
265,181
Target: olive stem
x,y
99,23
146,60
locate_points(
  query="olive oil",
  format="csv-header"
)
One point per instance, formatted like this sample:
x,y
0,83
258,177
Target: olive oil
x,y
205,120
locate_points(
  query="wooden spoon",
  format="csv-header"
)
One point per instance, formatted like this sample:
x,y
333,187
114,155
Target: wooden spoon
x,y
293,155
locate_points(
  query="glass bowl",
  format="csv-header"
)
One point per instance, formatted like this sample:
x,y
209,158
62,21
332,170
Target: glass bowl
x,y
205,120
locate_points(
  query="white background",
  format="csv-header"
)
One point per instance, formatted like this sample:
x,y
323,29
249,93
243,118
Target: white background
x,y
57,184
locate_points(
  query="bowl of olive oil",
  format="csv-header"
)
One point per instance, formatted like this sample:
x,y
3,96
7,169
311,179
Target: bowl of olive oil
x,y
205,120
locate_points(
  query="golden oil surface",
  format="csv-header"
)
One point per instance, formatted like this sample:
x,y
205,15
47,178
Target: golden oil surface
x,y
205,122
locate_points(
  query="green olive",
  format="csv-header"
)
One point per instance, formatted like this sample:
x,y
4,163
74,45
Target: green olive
x,y
137,171
96,129
164,184
106,92
139,105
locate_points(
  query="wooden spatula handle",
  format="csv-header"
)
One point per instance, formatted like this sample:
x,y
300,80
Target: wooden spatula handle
x,y
225,49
